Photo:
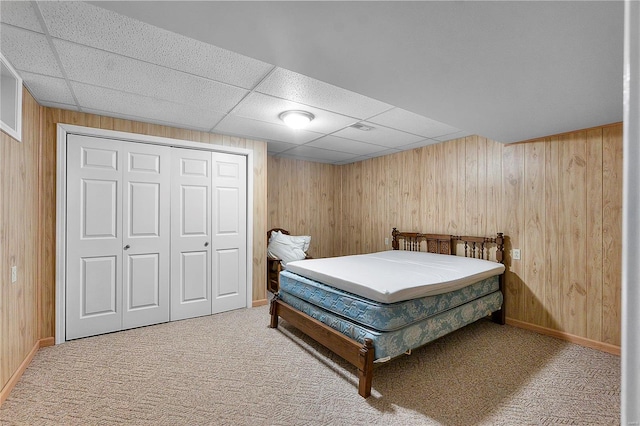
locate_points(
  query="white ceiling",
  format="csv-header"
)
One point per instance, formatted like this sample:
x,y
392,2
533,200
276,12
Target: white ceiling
x,y
509,71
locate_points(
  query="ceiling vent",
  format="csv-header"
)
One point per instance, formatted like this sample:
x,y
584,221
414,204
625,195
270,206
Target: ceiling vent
x,y
361,127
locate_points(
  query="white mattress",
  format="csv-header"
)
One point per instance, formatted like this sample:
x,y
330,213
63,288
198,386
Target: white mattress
x,y
397,275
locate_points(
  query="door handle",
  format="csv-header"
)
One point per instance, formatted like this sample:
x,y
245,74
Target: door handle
x,y
206,244
127,247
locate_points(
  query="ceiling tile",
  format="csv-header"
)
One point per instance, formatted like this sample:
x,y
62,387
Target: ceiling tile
x,y
20,14
274,147
451,136
59,105
368,157
381,153
407,121
94,26
48,89
40,60
296,87
320,155
142,108
100,68
262,130
150,120
379,135
351,160
301,158
346,145
267,108
420,144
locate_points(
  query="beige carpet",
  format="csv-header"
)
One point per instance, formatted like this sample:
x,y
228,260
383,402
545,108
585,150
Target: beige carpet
x,y
231,369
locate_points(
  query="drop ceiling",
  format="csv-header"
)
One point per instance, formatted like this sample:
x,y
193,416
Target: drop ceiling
x,y
416,73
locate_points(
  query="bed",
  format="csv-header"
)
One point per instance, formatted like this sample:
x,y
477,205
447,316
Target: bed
x,y
374,307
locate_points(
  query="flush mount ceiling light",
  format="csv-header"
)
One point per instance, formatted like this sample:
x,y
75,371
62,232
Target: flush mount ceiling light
x,y
296,119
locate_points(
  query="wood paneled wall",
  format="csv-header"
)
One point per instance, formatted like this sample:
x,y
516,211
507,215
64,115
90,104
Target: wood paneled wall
x,y
19,241
563,196
28,239
303,199
449,187
558,199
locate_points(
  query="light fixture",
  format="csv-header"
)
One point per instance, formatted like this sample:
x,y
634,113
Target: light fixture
x,y
296,119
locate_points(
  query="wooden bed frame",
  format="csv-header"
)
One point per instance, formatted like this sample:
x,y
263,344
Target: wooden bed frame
x,y
274,266
362,355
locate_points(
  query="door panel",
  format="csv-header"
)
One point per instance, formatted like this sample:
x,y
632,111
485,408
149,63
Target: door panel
x,y
194,167
194,210
144,162
94,241
146,240
143,281
98,286
193,279
99,208
227,218
229,205
228,272
98,158
144,209
190,233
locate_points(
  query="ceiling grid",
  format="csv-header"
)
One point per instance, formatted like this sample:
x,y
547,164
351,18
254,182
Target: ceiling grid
x,y
79,56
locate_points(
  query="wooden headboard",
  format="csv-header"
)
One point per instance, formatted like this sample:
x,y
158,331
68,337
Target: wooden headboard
x,y
284,231
488,248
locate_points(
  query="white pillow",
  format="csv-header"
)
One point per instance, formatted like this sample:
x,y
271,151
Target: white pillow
x,y
288,248
305,240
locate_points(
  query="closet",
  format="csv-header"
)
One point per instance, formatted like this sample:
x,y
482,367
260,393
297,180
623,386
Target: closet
x,y
154,233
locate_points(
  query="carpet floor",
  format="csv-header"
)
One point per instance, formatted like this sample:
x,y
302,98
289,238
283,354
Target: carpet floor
x,y
231,369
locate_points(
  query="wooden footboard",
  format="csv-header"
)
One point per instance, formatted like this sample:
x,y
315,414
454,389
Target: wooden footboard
x,y
358,354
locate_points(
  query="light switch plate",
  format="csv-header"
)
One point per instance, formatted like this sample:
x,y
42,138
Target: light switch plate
x,y
14,274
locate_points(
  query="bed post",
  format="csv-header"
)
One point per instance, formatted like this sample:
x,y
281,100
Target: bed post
x,y
500,247
365,369
499,315
273,310
395,244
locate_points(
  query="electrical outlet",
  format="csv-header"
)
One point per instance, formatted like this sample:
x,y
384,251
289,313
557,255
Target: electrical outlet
x,y
14,274
515,254
386,241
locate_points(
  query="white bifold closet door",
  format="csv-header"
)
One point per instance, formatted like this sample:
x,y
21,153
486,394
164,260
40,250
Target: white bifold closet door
x,y
154,233
208,233
190,233
229,252
118,240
